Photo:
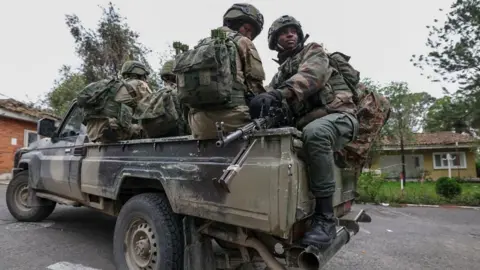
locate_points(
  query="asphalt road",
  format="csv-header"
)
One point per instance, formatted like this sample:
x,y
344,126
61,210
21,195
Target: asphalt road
x,y
397,238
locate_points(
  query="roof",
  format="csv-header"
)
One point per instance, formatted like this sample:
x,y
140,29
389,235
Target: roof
x,y
431,139
21,108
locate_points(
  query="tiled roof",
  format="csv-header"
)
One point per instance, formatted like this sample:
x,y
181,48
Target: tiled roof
x,y
16,106
435,138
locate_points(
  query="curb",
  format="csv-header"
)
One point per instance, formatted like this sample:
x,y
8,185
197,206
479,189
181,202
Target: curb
x,y
5,182
425,205
441,206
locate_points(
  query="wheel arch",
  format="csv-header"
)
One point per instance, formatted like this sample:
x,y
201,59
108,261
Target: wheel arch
x,y
132,182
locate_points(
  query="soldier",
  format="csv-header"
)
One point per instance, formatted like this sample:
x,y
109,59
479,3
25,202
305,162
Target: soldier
x,y
114,122
161,114
135,74
246,22
167,75
322,105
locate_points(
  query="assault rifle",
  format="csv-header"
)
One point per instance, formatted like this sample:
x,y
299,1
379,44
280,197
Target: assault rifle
x,y
275,116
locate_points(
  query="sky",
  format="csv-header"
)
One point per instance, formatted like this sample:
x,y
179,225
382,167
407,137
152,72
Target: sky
x,y
379,35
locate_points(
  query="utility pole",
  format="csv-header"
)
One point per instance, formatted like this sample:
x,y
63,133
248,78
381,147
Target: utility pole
x,y
402,153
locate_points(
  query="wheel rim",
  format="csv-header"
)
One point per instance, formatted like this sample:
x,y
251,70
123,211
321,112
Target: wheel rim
x,y
21,197
140,245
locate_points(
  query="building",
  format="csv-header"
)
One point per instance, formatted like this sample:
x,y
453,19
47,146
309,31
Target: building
x,y
426,155
18,125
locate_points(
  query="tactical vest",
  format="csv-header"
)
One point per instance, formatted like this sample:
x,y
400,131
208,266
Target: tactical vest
x,y
337,86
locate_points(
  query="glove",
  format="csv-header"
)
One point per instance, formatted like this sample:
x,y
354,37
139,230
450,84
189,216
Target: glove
x,y
260,105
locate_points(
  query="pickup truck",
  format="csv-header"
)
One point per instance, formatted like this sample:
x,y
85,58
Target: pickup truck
x,y
183,203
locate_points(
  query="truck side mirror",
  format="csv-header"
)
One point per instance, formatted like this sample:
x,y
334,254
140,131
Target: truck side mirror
x,y
46,127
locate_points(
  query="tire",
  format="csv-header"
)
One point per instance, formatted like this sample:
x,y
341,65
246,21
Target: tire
x,y
149,216
17,193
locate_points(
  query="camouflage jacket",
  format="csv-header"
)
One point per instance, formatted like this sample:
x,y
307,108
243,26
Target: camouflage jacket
x,y
249,64
317,88
141,90
181,107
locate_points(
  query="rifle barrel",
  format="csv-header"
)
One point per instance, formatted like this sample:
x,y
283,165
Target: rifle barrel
x,y
229,138
247,129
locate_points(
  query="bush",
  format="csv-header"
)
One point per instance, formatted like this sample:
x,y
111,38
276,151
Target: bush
x,y
371,183
448,187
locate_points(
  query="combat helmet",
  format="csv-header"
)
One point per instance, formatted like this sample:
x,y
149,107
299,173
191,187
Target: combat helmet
x,y
134,67
167,68
246,12
280,23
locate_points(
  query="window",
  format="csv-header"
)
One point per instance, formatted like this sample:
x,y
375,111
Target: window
x,y
29,137
417,162
73,124
459,160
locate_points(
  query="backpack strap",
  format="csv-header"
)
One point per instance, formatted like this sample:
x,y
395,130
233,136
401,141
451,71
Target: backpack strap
x,y
131,91
234,36
334,63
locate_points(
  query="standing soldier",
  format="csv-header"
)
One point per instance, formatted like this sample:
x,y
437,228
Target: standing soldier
x,y
222,97
323,105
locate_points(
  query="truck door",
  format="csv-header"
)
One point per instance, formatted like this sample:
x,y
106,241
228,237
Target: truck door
x,y
78,153
55,161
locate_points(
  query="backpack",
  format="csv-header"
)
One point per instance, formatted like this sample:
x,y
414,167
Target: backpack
x,y
373,113
351,76
160,114
206,74
98,102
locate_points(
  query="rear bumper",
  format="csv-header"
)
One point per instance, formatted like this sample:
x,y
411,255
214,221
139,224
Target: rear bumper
x,y
312,258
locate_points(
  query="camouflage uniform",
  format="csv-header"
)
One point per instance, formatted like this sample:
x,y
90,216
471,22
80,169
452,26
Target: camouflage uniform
x,y
135,74
167,75
249,72
323,107
151,111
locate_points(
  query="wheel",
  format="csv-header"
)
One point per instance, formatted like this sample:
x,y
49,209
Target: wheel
x,y
148,235
17,195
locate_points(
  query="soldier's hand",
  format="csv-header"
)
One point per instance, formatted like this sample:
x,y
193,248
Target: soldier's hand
x,y
261,104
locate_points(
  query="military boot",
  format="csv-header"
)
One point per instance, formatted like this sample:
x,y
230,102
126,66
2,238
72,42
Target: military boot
x,y
323,230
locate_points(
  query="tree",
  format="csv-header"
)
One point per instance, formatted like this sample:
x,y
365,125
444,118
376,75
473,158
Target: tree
x,y
102,52
65,89
448,114
455,56
406,116
155,80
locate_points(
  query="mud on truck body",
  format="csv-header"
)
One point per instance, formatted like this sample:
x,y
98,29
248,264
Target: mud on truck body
x,y
182,203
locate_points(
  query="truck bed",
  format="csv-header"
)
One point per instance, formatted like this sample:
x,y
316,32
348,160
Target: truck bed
x,y
269,192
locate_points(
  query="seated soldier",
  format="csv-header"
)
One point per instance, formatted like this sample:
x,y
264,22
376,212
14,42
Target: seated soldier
x,y
322,101
108,117
242,23
169,79
160,114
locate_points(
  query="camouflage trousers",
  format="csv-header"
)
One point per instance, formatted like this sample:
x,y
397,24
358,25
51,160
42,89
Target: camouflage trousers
x,y
108,131
202,123
321,138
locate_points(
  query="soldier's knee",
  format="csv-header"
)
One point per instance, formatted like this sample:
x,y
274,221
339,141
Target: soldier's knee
x,y
319,130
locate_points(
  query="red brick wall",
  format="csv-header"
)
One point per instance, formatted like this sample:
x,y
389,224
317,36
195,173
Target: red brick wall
x,y
11,128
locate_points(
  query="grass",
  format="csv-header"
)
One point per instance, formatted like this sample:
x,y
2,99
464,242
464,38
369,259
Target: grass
x,y
418,193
